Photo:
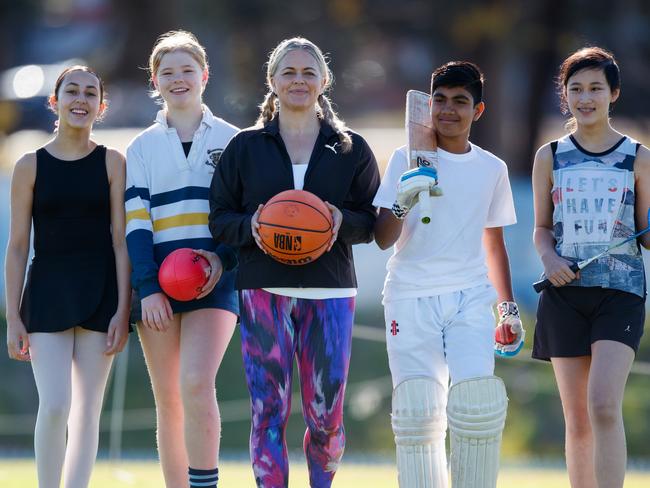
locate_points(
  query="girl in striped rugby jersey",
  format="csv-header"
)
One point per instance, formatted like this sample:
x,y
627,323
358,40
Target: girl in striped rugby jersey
x,y
169,169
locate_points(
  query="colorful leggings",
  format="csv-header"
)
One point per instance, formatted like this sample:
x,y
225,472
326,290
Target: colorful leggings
x,y
318,333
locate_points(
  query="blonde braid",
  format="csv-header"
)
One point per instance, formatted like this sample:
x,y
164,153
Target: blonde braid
x,y
330,116
267,108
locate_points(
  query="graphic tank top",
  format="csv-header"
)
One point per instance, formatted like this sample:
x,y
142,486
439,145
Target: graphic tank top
x,y
593,199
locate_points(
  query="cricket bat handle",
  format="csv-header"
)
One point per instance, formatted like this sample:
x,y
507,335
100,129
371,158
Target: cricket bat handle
x,y
424,198
544,284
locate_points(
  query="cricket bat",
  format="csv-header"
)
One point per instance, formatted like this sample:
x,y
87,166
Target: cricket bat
x,y
422,146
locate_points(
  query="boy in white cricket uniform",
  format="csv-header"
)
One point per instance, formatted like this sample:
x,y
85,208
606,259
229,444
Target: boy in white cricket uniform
x,y
443,279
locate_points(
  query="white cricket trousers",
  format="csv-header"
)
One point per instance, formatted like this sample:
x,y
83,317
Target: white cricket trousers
x,y
442,336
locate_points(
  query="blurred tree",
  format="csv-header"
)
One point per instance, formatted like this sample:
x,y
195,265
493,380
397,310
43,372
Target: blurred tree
x,y
12,27
539,36
139,23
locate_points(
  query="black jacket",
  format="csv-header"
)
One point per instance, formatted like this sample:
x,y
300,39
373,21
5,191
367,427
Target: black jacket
x,y
255,166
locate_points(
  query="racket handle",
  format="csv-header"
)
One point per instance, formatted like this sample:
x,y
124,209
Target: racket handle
x,y
544,284
424,198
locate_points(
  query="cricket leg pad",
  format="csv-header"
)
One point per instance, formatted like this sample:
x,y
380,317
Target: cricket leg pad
x,y
476,411
419,424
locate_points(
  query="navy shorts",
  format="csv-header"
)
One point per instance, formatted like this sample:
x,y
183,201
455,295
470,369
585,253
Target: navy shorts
x,y
223,296
571,318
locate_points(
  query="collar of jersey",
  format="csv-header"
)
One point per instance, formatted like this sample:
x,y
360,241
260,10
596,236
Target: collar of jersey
x,y
206,120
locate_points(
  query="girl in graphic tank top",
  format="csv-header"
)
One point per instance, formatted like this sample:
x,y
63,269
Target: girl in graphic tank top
x,y
591,189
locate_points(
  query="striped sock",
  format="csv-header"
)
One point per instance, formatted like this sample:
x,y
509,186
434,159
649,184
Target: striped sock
x,y
203,478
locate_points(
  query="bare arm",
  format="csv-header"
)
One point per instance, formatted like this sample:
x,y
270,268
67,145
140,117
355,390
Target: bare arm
x,y
556,268
387,228
542,183
22,195
118,328
509,334
498,264
642,190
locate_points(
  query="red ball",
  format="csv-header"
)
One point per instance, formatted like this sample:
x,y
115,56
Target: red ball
x,y
183,273
503,334
295,227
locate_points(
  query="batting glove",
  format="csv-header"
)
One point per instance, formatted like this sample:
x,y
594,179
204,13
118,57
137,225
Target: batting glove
x,y
509,334
411,183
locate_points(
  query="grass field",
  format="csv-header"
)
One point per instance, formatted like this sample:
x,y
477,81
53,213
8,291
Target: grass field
x,y
21,474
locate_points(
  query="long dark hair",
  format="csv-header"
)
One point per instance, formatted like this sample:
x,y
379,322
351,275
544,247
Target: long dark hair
x,y
591,57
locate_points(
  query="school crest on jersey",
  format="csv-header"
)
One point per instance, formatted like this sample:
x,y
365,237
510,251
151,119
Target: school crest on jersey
x,y
213,157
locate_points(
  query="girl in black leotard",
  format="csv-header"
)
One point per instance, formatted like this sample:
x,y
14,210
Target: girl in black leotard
x,y
73,316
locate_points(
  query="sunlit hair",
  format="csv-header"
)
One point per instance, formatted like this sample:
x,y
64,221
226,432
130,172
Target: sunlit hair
x,y
459,74
175,41
59,81
270,106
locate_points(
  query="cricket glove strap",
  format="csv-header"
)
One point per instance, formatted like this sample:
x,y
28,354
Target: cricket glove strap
x,y
410,184
509,317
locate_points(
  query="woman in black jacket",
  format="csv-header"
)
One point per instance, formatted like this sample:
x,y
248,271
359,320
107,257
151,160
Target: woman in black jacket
x,y
302,311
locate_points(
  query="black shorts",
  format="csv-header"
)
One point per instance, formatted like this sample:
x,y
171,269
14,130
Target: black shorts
x,y
571,318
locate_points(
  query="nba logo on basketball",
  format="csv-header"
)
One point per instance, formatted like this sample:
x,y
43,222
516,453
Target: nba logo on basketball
x,y
287,242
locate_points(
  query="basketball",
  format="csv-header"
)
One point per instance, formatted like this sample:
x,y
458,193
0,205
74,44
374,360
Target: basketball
x,y
183,273
295,227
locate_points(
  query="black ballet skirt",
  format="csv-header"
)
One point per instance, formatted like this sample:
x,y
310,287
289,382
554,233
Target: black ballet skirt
x,y
72,278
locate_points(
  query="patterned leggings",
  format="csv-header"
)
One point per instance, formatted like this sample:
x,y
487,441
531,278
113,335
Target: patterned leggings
x,y
274,329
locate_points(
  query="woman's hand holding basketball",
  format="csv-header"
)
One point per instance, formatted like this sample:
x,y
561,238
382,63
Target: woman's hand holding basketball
x,y
216,269
157,313
337,218
255,227
118,333
17,340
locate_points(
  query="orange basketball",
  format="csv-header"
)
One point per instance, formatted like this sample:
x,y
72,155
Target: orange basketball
x,y
295,227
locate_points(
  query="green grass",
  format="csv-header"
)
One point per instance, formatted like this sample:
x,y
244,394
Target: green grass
x,y
21,474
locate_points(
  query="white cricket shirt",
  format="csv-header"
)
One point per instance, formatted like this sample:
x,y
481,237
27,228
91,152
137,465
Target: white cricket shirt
x,y
447,255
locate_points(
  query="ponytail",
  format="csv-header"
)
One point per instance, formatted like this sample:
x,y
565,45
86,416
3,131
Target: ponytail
x,y
267,108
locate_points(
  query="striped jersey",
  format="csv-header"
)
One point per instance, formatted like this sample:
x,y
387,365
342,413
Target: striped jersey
x,y
167,195
593,199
